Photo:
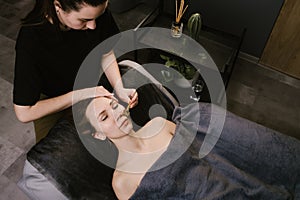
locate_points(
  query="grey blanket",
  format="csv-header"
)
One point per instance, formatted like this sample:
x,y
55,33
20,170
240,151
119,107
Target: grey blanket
x,y
249,161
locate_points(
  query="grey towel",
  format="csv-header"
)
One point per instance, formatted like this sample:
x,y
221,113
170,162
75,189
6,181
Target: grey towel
x,y
249,161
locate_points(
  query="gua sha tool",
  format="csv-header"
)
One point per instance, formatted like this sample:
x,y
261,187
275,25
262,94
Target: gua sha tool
x,y
126,111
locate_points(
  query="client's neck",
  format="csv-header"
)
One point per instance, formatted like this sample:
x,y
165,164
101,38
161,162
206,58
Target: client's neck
x,y
131,143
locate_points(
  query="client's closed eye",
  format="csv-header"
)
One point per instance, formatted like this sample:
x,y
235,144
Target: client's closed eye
x,y
102,117
114,104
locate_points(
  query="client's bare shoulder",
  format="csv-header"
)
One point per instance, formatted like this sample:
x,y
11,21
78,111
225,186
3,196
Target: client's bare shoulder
x,y
125,184
159,124
157,133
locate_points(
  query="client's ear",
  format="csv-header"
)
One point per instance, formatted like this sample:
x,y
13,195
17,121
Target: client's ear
x,y
57,5
99,136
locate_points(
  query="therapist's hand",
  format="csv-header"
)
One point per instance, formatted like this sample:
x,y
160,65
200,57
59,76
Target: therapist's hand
x,y
128,95
98,91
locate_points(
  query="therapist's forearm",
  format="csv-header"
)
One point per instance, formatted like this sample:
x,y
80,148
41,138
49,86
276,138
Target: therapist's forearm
x,y
43,107
56,104
111,70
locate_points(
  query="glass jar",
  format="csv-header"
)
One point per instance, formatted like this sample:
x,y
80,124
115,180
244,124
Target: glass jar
x,y
176,29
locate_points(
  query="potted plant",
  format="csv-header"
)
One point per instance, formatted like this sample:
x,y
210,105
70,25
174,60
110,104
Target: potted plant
x,y
186,72
194,26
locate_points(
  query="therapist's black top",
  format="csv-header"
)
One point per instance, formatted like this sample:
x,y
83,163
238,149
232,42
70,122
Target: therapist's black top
x,y
47,59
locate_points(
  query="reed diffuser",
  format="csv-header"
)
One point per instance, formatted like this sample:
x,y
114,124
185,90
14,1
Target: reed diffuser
x,y
177,25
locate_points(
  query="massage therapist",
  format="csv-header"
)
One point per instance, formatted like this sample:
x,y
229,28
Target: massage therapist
x,y
53,41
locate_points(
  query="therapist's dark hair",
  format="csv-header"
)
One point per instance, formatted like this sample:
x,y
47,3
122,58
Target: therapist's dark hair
x,y
43,8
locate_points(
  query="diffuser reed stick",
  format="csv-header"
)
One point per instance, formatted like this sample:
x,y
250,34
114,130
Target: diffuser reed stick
x,y
180,11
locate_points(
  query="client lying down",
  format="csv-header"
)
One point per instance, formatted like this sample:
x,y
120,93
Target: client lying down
x,y
137,150
249,161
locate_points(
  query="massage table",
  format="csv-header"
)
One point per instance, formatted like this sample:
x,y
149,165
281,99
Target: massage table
x,y
244,160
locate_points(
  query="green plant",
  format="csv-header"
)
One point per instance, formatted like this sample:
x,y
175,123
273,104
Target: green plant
x,y
194,26
186,70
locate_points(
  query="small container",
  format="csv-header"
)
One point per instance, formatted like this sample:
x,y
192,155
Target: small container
x,y
197,87
176,29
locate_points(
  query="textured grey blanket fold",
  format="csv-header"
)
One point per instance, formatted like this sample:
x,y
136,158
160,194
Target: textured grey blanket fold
x,y
249,161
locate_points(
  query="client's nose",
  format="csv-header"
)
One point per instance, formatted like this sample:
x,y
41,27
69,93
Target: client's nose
x,y
123,114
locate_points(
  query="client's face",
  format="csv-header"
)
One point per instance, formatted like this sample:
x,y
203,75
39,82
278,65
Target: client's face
x,y
106,115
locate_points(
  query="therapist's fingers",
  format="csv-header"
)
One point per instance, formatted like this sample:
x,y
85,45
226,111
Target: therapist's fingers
x,y
133,99
112,96
102,92
92,92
